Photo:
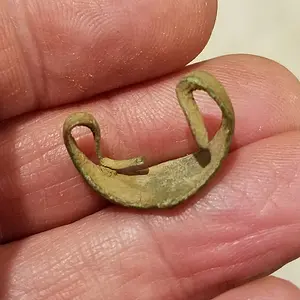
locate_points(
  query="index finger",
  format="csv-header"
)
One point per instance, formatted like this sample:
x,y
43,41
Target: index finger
x,y
57,52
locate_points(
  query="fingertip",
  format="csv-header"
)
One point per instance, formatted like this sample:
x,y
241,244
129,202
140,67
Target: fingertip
x,y
78,49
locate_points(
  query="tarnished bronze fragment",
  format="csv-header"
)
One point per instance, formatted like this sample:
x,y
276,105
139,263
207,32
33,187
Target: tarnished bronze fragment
x,y
169,183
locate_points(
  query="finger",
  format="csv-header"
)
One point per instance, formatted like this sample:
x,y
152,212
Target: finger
x,y
56,52
41,188
240,229
269,288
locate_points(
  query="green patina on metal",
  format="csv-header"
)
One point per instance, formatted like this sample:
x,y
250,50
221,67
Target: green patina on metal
x,y
169,183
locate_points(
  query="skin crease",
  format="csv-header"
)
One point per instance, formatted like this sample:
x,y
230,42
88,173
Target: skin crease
x,y
59,240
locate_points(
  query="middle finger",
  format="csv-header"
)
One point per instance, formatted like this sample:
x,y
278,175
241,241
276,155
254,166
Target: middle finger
x,y
40,188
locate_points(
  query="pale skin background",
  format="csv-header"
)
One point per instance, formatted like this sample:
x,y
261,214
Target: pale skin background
x,y
59,240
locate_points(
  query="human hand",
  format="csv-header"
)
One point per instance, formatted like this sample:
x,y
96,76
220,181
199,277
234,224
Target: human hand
x,y
60,240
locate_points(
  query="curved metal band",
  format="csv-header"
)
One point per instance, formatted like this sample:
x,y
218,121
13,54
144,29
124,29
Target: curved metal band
x,y
171,182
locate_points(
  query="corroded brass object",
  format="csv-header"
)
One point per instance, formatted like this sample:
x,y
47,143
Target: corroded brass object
x,y
169,183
